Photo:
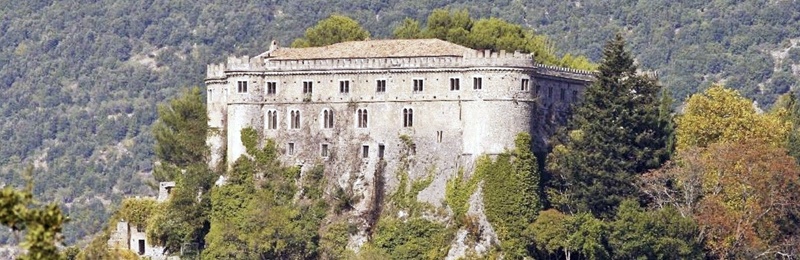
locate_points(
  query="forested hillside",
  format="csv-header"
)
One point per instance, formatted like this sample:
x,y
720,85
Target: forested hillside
x,y
80,80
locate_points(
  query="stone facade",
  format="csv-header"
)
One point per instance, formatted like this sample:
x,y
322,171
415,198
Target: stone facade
x,y
453,102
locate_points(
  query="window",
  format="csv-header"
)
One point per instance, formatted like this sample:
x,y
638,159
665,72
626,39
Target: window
x,y
323,150
290,149
408,117
381,86
381,150
361,117
574,96
536,89
272,87
525,84
241,86
550,92
439,135
308,87
365,151
563,95
344,86
327,118
272,119
141,246
477,83
209,95
454,84
294,120
418,85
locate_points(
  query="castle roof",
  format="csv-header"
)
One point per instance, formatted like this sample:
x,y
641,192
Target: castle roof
x,y
372,49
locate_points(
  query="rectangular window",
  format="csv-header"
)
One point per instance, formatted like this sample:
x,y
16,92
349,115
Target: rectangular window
x,y
344,86
574,96
241,86
272,87
365,151
525,84
324,150
381,86
418,85
209,95
455,84
477,83
563,94
290,149
308,87
550,92
381,150
536,89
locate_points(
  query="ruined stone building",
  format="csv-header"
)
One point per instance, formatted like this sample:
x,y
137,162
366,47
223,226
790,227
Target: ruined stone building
x,y
347,105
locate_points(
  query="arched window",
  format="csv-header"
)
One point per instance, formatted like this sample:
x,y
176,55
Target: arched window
x,y
272,119
408,117
327,119
361,117
294,120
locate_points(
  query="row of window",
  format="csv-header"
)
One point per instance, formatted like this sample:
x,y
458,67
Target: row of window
x,y
344,85
324,150
562,93
362,117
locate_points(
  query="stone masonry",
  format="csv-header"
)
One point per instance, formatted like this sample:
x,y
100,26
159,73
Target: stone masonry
x,y
347,105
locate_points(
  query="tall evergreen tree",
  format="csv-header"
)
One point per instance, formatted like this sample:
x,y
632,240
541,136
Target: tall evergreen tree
x,y
615,133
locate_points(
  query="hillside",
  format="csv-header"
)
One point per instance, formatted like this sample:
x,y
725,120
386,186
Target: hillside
x,y
81,80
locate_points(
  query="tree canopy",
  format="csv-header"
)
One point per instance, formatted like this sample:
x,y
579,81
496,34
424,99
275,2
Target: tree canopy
x,y
334,29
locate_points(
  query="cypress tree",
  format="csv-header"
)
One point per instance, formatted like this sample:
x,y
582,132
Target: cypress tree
x,y
617,131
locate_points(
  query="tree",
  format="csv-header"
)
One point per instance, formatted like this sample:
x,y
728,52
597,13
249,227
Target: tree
x,y
555,233
788,108
655,234
181,149
742,195
722,115
408,29
42,224
615,133
334,29
180,134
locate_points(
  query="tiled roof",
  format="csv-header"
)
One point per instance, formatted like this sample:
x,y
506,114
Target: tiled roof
x,y
372,49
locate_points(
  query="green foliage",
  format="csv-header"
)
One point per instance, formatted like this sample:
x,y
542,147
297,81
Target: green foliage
x,y
511,194
656,234
457,193
414,238
492,33
334,29
136,211
788,109
617,132
333,241
180,132
256,214
556,233
42,224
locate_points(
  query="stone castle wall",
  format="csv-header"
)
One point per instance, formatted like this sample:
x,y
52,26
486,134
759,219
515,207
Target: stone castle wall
x,y
450,127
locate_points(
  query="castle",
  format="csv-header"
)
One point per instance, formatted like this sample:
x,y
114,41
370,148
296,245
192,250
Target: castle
x,y
347,105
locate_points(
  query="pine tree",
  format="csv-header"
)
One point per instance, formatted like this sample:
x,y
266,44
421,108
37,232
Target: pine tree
x,y
618,131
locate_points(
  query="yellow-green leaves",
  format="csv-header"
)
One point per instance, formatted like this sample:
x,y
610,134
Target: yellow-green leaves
x,y
722,115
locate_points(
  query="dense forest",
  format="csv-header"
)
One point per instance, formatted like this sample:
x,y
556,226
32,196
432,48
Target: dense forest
x,y
81,80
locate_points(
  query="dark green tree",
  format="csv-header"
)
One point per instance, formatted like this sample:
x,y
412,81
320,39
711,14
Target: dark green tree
x,y
655,234
181,150
408,29
180,134
334,29
616,132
